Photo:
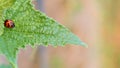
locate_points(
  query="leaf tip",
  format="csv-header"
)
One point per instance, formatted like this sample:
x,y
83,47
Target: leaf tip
x,y
84,44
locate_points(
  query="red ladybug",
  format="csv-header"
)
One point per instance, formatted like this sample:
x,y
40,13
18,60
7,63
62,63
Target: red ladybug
x,y
9,24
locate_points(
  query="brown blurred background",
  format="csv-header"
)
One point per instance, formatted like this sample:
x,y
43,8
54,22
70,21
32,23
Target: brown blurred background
x,y
96,22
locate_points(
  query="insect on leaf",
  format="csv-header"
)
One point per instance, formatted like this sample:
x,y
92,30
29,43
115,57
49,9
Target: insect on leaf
x,y
31,27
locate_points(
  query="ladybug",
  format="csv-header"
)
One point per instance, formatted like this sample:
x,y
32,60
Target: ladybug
x,y
9,24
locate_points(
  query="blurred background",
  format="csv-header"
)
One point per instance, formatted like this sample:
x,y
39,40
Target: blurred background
x,y
96,22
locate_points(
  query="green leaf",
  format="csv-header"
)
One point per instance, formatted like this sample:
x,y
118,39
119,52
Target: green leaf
x,y
31,27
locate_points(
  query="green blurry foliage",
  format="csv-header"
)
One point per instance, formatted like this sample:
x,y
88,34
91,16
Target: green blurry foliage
x,y
5,66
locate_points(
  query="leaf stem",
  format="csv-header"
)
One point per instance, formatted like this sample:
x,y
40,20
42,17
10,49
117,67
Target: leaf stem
x,y
14,64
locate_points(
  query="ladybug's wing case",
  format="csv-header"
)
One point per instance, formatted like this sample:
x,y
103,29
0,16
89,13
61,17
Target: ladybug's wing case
x,y
9,24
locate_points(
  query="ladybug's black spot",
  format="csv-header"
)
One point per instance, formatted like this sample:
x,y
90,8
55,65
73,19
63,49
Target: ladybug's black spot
x,y
9,24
